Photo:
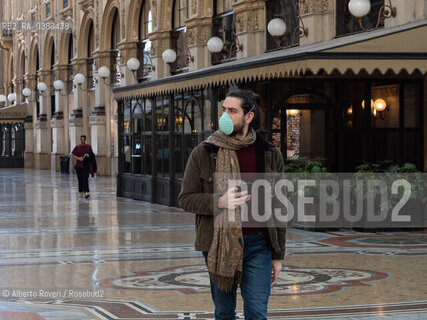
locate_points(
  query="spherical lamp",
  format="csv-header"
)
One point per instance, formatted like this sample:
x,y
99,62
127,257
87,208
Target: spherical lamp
x,y
58,85
79,78
169,55
103,72
276,27
2,98
380,105
215,44
26,92
11,97
359,8
42,86
133,64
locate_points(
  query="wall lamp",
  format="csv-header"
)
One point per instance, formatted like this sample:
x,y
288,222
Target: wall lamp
x,y
133,65
378,108
169,56
12,98
217,45
360,8
277,28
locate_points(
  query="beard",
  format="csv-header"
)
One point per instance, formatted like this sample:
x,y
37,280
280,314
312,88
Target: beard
x,y
238,129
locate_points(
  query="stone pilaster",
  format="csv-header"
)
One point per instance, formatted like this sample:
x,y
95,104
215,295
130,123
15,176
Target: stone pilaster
x,y
30,133
160,41
18,86
250,27
318,18
128,50
43,132
198,34
76,124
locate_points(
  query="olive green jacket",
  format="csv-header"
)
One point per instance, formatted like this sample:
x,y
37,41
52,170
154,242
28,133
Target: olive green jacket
x,y
197,194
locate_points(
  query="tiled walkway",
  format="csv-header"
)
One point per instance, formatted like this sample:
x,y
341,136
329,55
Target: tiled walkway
x,y
62,257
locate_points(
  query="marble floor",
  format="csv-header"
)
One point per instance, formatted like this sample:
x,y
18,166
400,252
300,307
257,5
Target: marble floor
x,y
62,257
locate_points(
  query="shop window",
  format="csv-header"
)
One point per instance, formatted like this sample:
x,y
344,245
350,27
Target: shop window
x,y
137,139
412,102
287,10
346,23
65,4
127,136
385,106
163,154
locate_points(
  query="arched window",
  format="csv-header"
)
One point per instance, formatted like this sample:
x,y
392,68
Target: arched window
x,y
179,40
91,63
69,64
224,27
144,44
115,39
52,63
37,82
22,73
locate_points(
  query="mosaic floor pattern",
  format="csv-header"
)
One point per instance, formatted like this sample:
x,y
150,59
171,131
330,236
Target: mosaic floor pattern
x,y
62,257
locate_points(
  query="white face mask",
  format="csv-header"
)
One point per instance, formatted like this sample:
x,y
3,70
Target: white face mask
x,y
226,123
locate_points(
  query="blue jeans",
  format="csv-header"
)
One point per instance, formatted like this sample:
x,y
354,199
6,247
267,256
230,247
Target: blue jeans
x,y
256,282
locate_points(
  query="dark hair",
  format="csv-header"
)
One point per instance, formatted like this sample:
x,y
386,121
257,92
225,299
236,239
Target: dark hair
x,y
249,100
82,136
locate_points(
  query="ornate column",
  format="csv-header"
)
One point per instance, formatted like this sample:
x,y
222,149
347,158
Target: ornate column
x,y
128,50
57,122
30,137
80,101
18,85
250,27
44,138
318,18
198,34
98,119
160,41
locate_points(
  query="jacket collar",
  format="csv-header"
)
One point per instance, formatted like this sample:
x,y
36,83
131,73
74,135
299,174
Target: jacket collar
x,y
260,145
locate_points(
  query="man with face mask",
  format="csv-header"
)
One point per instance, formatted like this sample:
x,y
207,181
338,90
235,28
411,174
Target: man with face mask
x,y
248,255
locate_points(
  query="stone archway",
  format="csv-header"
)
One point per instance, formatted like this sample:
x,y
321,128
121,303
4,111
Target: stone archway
x,y
107,22
32,57
87,21
63,48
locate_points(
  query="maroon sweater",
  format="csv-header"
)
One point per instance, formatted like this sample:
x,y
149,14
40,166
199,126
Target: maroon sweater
x,y
80,151
247,164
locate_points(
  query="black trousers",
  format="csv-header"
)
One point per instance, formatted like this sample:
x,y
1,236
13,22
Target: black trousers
x,y
83,177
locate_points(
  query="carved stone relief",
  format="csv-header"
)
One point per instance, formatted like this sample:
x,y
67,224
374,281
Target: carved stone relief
x,y
311,6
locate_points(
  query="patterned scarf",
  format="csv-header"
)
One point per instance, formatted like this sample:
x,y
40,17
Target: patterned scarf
x,y
225,257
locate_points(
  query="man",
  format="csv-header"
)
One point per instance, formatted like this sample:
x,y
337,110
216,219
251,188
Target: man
x,y
254,262
83,155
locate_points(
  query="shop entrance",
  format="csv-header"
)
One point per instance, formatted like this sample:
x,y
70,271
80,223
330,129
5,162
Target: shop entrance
x,y
298,126
12,145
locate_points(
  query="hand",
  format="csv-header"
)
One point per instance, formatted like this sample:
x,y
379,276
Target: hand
x,y
232,199
80,158
87,155
277,266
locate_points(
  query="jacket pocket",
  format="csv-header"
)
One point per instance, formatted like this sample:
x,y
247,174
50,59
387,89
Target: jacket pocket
x,y
207,181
